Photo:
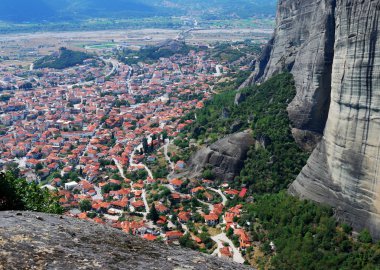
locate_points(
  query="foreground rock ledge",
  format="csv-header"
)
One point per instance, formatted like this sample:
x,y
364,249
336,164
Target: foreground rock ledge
x,y
31,240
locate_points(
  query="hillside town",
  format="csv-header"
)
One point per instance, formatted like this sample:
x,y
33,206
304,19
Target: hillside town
x,y
101,135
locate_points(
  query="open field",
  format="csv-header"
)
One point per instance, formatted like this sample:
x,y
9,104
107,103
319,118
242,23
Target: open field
x,y
25,48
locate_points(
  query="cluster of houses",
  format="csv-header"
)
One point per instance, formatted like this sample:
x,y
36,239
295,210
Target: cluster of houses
x,y
60,126
82,140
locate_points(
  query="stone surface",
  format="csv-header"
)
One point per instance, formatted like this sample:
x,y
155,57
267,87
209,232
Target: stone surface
x,y
331,48
239,98
344,170
303,44
225,157
41,241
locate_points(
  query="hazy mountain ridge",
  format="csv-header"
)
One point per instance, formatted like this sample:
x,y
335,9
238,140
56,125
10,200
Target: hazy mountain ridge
x,y
40,10
44,10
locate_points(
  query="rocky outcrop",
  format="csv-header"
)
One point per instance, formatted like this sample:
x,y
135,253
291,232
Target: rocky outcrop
x,y
303,44
330,46
225,157
344,170
41,241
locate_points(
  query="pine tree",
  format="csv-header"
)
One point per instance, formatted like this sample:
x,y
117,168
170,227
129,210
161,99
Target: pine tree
x,y
153,214
145,145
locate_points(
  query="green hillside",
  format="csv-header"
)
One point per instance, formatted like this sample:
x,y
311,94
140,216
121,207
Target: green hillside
x,y
63,59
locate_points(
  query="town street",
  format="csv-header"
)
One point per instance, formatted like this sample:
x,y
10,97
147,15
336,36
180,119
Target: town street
x,y
222,238
224,198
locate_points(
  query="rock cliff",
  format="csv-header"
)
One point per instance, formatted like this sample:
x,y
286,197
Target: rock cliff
x,y
226,156
303,43
41,241
331,48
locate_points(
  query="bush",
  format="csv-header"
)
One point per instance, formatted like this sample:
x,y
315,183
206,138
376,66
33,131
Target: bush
x,y
364,236
18,194
85,205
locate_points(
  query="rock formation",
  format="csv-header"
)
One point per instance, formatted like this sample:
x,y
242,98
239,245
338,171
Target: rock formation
x,y
330,46
41,241
225,157
303,43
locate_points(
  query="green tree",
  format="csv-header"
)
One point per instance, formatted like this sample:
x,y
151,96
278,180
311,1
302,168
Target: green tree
x,y
230,232
85,205
145,145
18,194
364,236
39,167
153,214
186,241
208,174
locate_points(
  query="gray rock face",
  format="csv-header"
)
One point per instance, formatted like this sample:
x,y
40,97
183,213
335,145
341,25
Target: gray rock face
x,y
331,48
303,44
239,98
42,241
225,157
344,170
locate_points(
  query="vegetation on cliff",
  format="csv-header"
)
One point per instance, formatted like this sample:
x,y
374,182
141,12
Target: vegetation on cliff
x,y
17,194
303,234
306,236
275,164
63,59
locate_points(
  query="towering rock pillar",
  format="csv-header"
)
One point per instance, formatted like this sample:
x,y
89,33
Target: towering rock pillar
x,y
332,48
344,169
303,43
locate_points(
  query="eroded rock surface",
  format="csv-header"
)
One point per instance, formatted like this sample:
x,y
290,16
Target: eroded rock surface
x,y
225,157
331,48
344,170
303,44
40,241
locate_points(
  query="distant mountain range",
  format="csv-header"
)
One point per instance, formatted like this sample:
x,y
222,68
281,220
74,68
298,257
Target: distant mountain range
x,y
19,11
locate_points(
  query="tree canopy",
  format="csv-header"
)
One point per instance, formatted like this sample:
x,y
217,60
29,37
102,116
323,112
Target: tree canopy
x,y
17,194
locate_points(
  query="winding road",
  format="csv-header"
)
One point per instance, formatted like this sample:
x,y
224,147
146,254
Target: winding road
x,y
224,198
222,238
133,164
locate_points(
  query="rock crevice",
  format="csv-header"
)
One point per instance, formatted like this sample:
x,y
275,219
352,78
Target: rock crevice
x,y
303,43
331,48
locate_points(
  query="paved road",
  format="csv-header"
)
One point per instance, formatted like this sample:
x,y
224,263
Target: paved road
x,y
224,198
222,238
132,163
118,165
145,202
171,164
98,195
115,68
150,174
218,71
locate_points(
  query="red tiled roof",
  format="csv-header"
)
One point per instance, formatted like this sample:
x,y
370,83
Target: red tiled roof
x,y
211,217
174,234
176,182
242,193
150,237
